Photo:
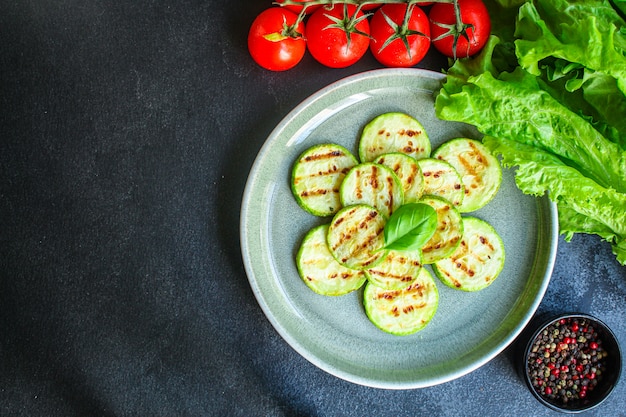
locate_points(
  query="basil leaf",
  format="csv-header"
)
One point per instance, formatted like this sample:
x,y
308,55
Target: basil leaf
x,y
410,227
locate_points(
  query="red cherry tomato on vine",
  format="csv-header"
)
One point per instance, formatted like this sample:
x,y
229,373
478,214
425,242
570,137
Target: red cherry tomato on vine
x,y
470,39
337,37
298,9
398,39
274,43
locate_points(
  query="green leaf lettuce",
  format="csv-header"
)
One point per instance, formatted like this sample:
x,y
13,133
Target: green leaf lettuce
x,y
586,32
554,108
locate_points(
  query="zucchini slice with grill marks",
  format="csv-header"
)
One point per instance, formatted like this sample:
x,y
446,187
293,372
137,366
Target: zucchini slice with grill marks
x,y
442,179
320,271
397,270
372,184
480,171
356,236
409,173
393,132
317,175
449,231
477,261
404,311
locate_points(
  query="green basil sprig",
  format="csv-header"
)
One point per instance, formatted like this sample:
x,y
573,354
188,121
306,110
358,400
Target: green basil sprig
x,y
410,227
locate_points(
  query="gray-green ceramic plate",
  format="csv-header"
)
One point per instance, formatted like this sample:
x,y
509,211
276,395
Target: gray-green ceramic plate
x,y
334,333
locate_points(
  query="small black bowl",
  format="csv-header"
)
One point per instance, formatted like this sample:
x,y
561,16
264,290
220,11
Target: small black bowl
x,y
531,359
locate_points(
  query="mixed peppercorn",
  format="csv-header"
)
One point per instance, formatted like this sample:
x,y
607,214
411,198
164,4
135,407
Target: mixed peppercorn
x,y
566,360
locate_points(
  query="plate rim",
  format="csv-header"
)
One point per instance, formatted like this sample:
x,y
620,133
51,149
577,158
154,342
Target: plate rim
x,y
548,219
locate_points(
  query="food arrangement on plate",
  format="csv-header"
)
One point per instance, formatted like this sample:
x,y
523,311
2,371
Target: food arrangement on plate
x,y
545,101
335,333
390,220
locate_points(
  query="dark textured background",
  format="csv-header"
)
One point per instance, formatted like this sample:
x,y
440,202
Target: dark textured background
x,y
127,129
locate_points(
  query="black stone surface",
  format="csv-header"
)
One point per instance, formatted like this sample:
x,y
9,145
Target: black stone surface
x,y
127,130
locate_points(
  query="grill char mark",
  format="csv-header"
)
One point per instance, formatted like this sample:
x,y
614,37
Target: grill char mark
x,y
322,156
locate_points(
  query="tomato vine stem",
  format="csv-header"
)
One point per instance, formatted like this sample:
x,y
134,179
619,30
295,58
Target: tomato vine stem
x,y
456,30
402,31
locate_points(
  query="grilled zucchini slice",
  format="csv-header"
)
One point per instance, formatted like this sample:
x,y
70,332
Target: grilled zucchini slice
x,y
356,236
396,271
404,311
317,175
477,261
480,171
320,271
442,179
372,184
449,231
393,132
409,173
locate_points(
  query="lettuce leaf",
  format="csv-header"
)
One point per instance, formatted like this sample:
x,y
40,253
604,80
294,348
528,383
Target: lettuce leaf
x,y
583,205
532,116
586,32
592,95
549,109
540,172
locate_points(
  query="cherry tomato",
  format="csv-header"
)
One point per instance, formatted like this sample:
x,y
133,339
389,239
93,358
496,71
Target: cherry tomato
x,y
298,9
274,43
338,36
463,43
398,41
